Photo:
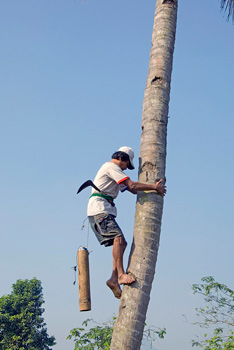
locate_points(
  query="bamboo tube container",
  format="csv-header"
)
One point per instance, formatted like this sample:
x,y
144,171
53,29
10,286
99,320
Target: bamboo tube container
x,y
83,277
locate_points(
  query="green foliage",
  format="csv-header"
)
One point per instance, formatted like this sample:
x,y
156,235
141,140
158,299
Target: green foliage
x,y
217,315
21,323
99,337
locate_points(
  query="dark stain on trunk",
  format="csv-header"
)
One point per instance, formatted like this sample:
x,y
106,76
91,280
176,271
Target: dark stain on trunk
x,y
168,2
155,80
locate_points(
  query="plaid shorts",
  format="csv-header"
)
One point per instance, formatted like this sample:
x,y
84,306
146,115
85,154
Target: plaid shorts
x,y
105,228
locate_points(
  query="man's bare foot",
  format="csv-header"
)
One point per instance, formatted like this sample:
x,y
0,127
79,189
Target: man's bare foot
x,y
115,287
126,278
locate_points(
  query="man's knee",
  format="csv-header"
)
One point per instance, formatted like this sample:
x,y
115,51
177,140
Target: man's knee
x,y
121,240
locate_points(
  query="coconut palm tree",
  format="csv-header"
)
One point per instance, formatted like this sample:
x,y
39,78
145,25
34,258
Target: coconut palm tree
x,y
135,298
228,6
129,325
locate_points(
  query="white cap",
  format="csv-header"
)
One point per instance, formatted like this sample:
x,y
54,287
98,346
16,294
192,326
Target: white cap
x,y
130,153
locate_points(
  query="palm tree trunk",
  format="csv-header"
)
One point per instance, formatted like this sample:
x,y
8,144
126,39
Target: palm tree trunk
x,y
129,325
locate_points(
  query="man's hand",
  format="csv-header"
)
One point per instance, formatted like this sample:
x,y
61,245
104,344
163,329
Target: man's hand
x,y
160,188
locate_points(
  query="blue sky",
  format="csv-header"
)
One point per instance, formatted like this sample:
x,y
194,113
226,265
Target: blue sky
x,y
72,83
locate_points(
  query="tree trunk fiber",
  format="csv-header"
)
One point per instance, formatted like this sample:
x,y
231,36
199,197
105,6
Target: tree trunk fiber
x,y
128,330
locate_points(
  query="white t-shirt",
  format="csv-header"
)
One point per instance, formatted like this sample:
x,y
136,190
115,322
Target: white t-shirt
x,y
108,180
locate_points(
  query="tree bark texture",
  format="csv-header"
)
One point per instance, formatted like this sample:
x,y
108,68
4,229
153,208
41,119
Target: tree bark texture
x,y
128,330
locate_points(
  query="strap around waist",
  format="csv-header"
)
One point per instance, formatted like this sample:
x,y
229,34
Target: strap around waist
x,y
109,198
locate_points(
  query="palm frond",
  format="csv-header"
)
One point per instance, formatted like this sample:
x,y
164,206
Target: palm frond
x,y
228,6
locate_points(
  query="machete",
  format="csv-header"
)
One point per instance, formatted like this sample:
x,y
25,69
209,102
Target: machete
x,y
87,184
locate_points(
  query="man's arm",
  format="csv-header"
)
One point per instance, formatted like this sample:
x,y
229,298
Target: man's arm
x,y
134,187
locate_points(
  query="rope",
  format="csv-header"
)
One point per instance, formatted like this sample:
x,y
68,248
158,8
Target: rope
x,y
82,227
75,267
88,236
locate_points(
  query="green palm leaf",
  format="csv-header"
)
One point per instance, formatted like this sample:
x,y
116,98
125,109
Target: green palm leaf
x,y
228,6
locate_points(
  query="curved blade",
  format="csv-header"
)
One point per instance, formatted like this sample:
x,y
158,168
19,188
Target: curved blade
x,y
87,184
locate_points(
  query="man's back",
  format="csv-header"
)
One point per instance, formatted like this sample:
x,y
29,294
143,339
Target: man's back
x,y
108,180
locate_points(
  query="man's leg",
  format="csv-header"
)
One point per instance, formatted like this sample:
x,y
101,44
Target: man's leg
x,y
113,283
119,247
118,274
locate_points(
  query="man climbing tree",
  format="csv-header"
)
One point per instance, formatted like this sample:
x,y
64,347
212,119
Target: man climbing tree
x,y
134,302
102,211
129,326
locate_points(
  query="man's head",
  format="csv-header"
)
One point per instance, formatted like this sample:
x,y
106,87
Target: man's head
x,y
125,154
